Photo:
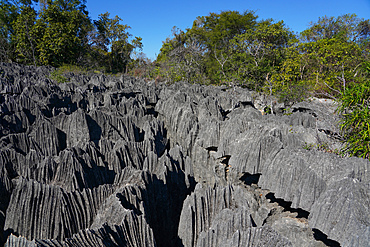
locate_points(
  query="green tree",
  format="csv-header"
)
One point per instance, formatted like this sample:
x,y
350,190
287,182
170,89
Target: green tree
x,y
204,52
326,61
25,36
112,40
330,65
215,33
228,47
346,27
9,11
182,57
259,52
290,81
62,27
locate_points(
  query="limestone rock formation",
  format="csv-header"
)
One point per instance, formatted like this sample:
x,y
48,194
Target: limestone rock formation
x,y
116,161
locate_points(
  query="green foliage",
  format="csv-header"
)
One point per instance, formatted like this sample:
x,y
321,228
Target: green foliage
x,y
322,68
8,14
259,52
355,108
62,29
58,76
55,35
214,34
62,73
61,32
295,92
25,36
226,48
347,27
182,58
112,48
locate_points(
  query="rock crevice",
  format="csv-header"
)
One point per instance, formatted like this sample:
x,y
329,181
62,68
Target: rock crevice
x,y
117,161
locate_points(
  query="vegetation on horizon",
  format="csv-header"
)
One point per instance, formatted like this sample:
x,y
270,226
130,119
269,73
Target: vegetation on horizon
x,y
329,59
61,32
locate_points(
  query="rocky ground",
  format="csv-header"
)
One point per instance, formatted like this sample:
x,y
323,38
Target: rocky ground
x,y
107,161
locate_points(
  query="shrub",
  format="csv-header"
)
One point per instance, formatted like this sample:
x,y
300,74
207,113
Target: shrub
x,y
60,74
355,104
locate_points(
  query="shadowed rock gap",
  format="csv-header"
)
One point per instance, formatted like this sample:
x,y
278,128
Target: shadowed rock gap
x,y
126,204
320,236
95,130
250,179
150,109
225,159
212,149
163,207
287,206
179,165
225,113
62,138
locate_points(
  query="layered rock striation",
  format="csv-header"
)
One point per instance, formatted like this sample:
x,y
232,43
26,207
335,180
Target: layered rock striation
x,y
117,161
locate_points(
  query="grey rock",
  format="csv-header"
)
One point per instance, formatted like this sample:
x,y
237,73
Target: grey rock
x,y
116,161
123,234
14,241
253,236
53,213
206,208
343,212
268,146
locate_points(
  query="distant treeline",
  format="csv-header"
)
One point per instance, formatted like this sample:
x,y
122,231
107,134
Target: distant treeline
x,y
329,59
236,48
61,32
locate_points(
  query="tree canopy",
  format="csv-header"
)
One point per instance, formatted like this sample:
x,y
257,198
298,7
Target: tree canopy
x,y
325,60
61,32
231,48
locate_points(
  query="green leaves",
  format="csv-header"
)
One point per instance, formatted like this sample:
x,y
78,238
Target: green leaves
x,y
62,27
229,47
355,108
324,67
54,36
344,27
8,15
61,32
262,49
25,36
112,40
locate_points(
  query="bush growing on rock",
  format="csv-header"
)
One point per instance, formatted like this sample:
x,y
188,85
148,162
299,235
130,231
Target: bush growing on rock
x,y
356,117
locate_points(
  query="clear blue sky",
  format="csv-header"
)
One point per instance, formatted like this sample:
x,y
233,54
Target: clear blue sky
x,y
153,20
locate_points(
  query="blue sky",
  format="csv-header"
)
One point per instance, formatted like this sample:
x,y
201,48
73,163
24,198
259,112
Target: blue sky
x,y
153,20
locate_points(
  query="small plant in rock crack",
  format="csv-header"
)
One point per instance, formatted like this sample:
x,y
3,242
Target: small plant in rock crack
x,y
308,146
267,110
291,129
287,112
323,147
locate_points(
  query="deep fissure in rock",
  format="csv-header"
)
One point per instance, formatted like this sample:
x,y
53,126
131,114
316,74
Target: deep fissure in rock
x,y
212,149
287,206
320,236
150,109
250,179
90,146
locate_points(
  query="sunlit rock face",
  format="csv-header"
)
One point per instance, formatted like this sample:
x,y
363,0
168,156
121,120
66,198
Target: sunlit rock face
x,y
117,161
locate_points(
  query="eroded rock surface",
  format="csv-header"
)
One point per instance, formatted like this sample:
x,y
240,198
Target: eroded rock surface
x,y
117,161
